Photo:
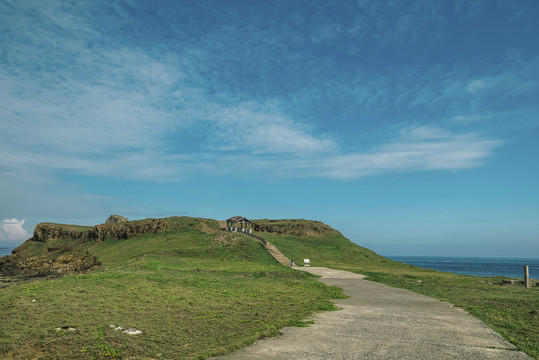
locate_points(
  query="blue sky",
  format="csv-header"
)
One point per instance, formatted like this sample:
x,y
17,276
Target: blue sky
x,y
410,126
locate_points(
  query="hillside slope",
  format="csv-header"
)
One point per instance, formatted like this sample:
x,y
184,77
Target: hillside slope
x,y
320,243
192,290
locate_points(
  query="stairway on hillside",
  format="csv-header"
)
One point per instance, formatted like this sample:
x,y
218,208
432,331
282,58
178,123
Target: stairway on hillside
x,y
277,255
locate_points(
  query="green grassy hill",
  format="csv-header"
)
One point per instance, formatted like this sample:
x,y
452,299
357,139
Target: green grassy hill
x,y
321,244
196,291
193,290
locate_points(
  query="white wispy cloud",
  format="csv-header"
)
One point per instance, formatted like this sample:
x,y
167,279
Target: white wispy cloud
x,y
418,149
415,149
517,78
123,112
74,98
264,129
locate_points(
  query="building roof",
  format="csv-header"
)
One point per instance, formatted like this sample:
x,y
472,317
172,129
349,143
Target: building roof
x,y
238,219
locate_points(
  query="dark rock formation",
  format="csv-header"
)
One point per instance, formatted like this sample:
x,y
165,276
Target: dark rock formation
x,y
294,227
129,229
113,219
42,265
15,265
120,230
45,231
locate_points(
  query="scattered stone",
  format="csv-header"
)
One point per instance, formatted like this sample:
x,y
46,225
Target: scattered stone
x,y
68,328
113,219
131,331
34,300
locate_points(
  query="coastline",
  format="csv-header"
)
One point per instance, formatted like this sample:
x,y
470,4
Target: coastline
x,y
475,266
6,250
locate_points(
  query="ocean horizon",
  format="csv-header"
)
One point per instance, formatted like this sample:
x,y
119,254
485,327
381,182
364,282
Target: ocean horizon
x,y
6,250
476,266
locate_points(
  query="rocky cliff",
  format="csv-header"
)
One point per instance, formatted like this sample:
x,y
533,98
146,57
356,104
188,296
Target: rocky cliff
x,y
20,266
294,227
64,249
113,219
119,230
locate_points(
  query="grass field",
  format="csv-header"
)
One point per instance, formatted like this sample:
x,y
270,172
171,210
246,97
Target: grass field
x,y
196,292
192,293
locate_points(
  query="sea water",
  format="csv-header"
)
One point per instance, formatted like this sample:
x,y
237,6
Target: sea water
x,y
5,250
508,267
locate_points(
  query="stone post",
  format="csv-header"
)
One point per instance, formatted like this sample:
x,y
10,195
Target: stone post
x,y
526,276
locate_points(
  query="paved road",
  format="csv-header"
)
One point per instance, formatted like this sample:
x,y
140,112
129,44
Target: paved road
x,y
381,322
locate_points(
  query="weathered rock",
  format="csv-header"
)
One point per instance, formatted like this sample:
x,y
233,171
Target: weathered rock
x,y
130,229
41,265
113,219
45,231
294,227
120,230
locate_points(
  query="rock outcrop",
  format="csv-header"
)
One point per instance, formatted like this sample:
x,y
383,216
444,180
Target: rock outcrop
x,y
294,227
15,265
120,230
45,231
113,219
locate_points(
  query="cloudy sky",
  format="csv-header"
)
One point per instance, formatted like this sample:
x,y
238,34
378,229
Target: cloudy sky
x,y
410,126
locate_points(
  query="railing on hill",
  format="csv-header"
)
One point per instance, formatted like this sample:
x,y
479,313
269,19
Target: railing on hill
x,y
274,252
261,240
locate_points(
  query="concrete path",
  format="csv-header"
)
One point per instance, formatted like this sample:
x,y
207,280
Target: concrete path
x,y
381,322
